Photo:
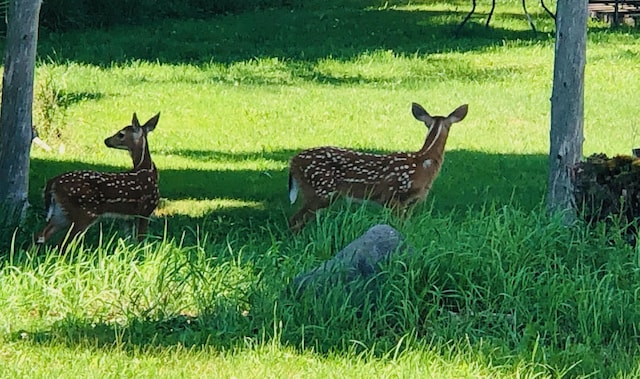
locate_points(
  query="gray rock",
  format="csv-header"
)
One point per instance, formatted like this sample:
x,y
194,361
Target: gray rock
x,y
359,259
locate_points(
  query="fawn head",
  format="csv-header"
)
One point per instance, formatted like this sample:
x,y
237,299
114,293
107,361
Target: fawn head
x,y
422,115
132,137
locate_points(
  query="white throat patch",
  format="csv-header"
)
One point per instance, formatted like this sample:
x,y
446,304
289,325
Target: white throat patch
x,y
439,126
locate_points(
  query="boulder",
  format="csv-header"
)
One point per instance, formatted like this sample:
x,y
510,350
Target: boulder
x,y
359,259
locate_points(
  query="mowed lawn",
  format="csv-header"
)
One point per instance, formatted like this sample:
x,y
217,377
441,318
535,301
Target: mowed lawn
x,y
498,287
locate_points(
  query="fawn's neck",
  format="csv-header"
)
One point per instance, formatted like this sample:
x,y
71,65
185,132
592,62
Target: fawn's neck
x,y
142,157
433,147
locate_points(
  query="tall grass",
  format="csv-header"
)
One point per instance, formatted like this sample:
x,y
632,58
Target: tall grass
x,y
516,287
495,286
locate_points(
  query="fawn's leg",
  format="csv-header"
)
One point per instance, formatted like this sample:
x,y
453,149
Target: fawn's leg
x,y
48,231
142,224
57,220
298,221
80,224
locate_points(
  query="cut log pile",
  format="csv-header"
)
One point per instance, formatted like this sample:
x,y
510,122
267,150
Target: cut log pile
x,y
606,187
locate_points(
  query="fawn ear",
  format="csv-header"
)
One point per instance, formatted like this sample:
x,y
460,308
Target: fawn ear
x,y
134,121
420,114
459,114
151,124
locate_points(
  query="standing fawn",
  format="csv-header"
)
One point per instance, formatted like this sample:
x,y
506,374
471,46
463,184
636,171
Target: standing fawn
x,y
78,198
395,180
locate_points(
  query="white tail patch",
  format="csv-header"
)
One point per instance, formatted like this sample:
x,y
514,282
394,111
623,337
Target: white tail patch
x,y
293,190
51,208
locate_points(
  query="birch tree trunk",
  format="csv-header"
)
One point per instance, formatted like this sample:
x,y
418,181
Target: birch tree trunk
x,y
16,113
567,104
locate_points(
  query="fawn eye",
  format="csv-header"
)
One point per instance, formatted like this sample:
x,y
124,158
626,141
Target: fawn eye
x,y
121,135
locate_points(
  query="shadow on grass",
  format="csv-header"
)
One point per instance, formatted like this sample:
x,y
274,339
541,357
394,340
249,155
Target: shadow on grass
x,y
67,98
468,178
233,199
299,35
180,330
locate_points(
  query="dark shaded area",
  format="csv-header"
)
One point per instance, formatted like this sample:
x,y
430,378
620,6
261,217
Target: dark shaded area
x,y
465,175
60,15
143,332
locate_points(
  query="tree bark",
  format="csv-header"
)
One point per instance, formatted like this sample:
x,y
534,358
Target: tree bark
x,y
567,104
16,114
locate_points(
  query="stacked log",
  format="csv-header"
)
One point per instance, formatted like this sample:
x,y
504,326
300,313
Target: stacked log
x,y
608,187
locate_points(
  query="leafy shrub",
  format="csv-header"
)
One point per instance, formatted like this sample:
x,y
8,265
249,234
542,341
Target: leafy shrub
x,y
48,106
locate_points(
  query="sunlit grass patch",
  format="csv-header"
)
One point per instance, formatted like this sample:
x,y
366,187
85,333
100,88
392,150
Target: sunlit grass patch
x,y
201,207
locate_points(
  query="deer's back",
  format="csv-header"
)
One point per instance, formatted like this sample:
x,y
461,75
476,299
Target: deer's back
x,y
128,193
378,177
339,163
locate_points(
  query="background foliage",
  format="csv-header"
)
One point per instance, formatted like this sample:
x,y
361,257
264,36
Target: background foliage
x,y
66,14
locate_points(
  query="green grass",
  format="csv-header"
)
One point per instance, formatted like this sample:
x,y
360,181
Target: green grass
x,y
497,288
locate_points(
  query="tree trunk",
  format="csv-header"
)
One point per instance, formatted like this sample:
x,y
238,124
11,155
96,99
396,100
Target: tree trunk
x,y
15,116
567,104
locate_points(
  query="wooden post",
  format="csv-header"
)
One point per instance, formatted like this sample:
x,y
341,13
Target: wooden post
x,y
16,114
567,104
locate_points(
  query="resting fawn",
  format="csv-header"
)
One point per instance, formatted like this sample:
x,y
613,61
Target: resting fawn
x,y
77,199
395,180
